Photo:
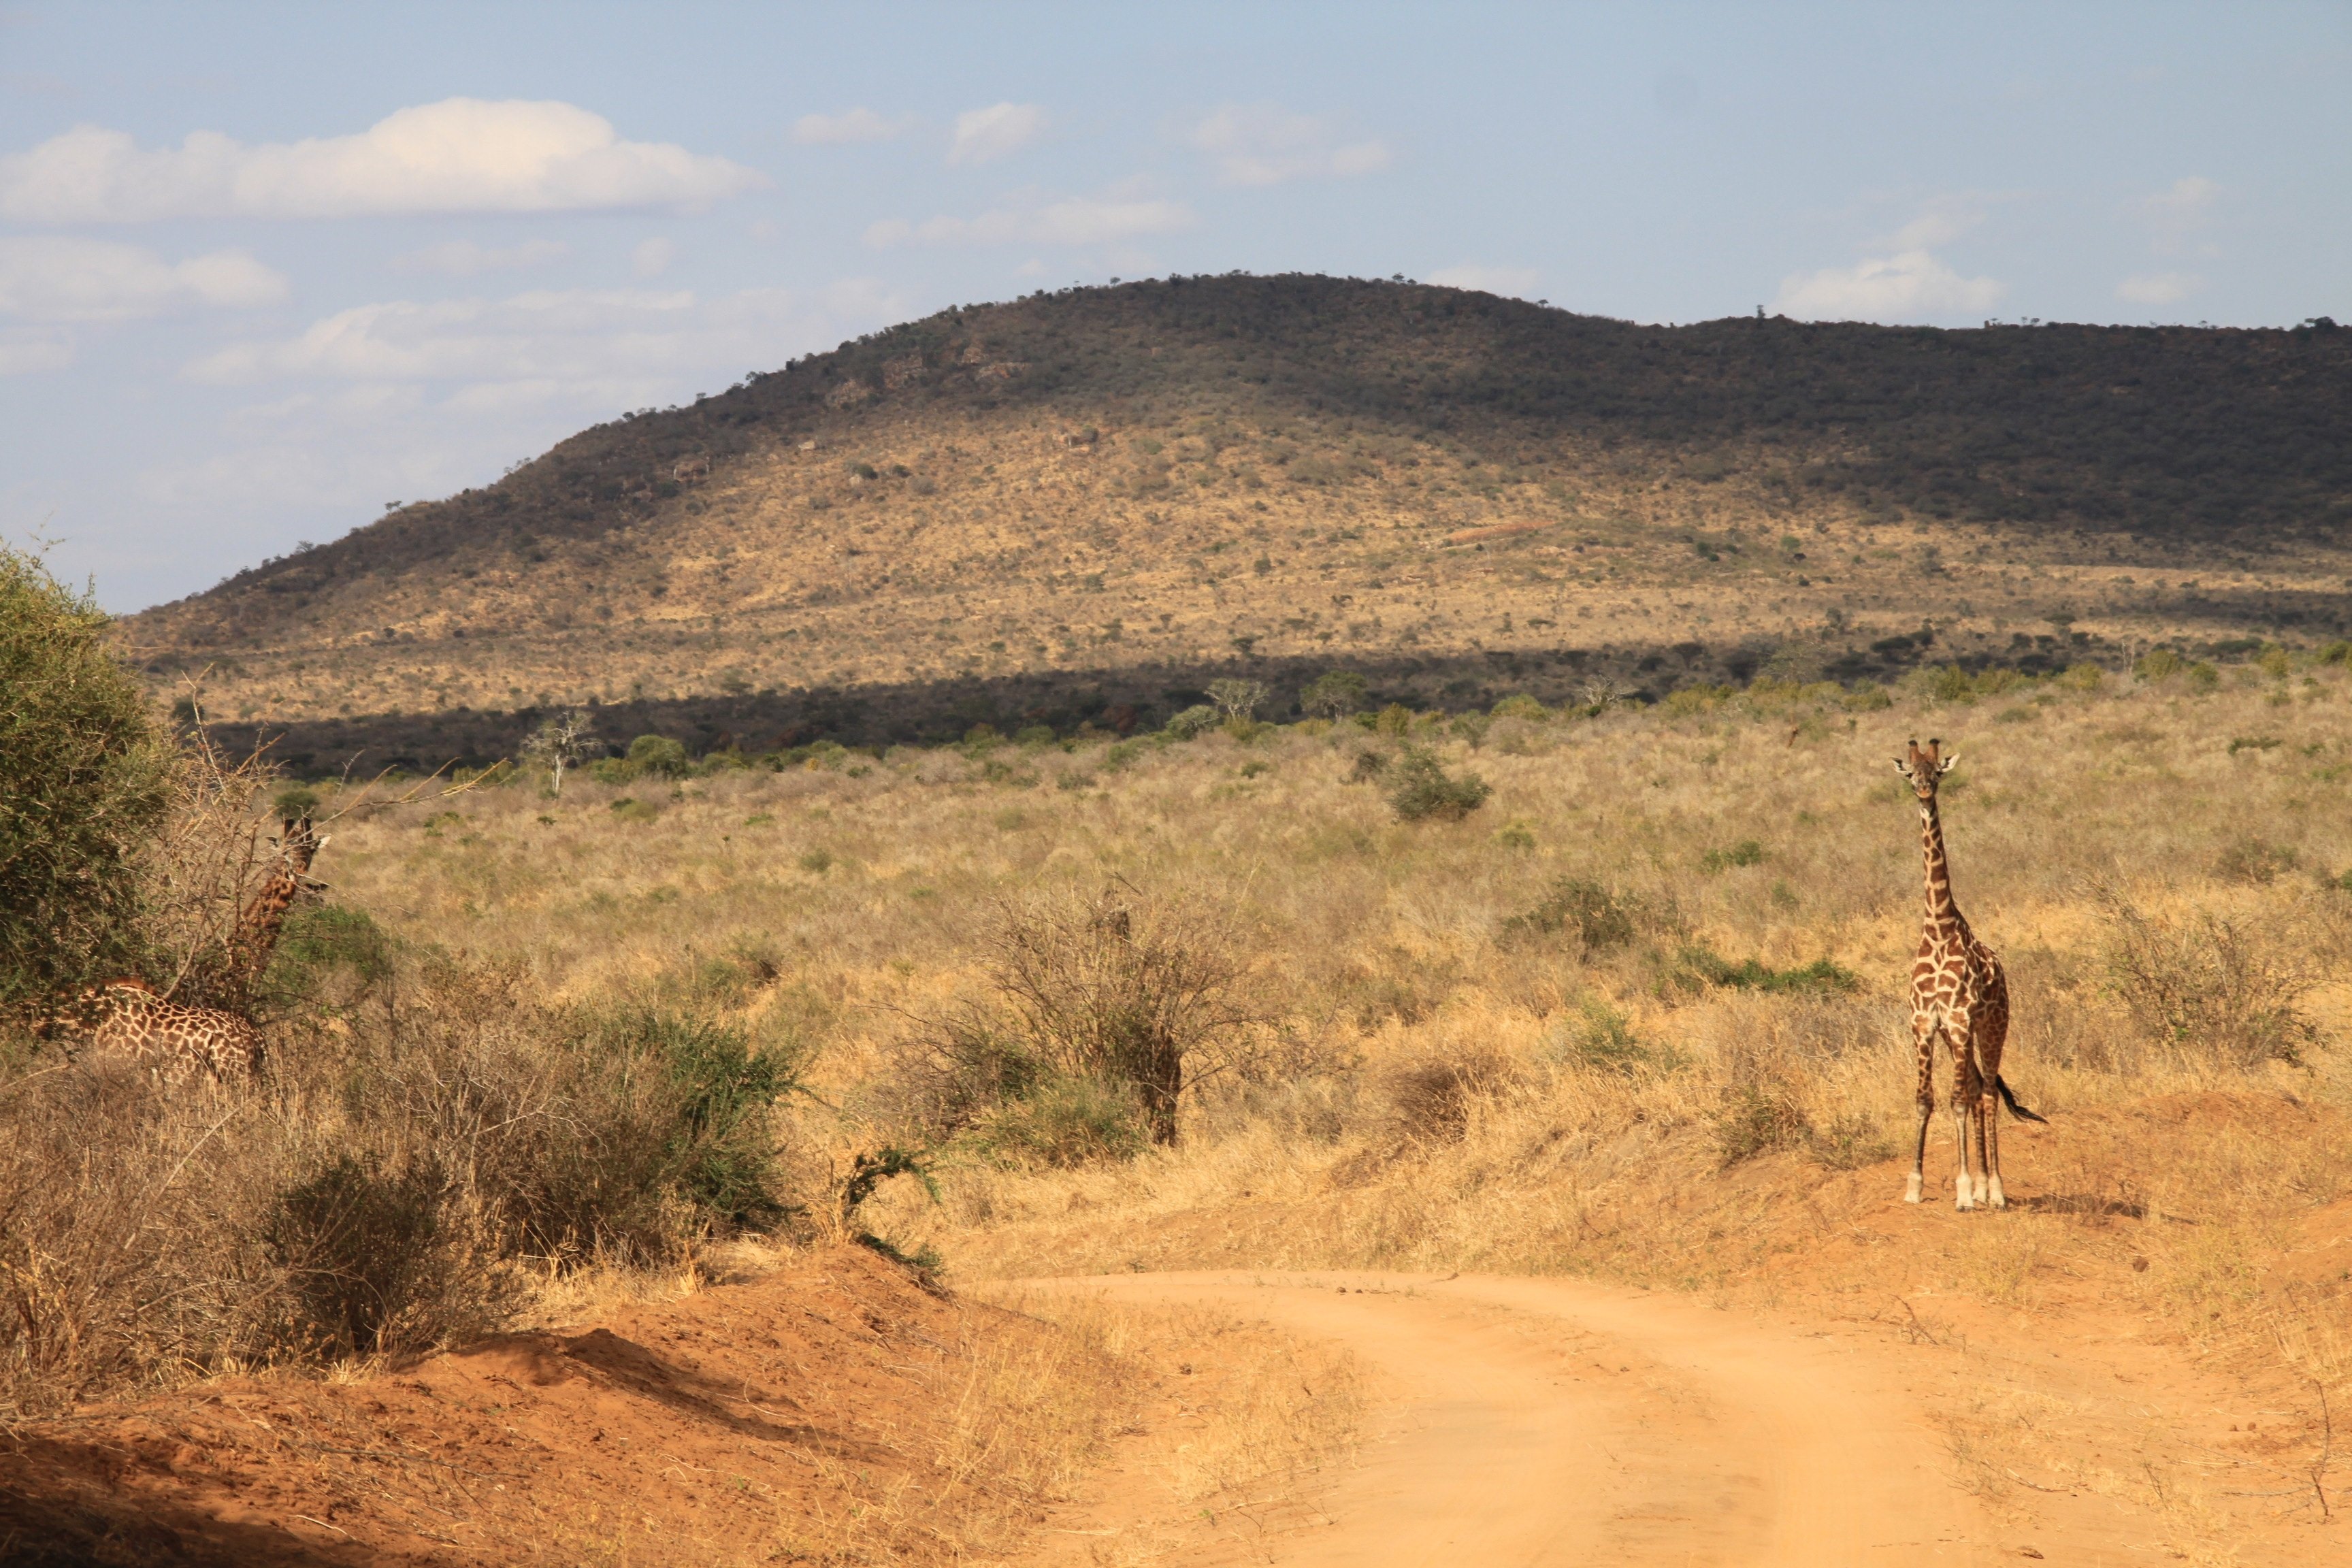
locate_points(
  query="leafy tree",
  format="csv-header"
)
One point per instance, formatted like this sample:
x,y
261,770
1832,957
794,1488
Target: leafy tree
x,y
1422,788
658,756
87,772
1334,693
1237,699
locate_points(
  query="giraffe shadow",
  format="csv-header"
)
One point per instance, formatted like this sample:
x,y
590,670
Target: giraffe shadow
x,y
2080,1205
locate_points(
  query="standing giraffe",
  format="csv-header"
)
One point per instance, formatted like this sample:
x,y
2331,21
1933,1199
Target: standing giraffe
x,y
1957,993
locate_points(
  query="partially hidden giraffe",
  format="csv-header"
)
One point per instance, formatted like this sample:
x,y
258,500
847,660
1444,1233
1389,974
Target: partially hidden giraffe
x,y
264,917
171,1042
126,1019
1959,995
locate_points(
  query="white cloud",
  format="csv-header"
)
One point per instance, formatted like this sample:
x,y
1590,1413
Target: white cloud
x,y
2158,288
1909,286
1265,144
569,338
1076,220
652,257
29,353
2185,200
410,398
46,277
1517,282
461,154
2178,210
1908,283
984,135
845,130
464,259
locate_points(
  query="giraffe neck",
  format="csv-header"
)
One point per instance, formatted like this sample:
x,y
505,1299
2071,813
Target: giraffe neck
x,y
1941,909
259,928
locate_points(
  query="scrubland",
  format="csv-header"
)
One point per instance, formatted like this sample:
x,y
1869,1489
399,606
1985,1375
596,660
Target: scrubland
x,y
1637,1016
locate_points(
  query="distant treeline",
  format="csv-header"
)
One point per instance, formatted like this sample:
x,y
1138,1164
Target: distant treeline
x,y
1124,700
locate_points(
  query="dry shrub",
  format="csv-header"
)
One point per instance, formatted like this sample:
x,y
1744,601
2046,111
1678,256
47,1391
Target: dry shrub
x,y
389,1189
1431,1099
1103,1011
2215,992
1759,1119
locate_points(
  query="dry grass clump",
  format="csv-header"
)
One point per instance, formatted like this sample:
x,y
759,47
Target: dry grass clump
x,y
2207,988
413,1161
1099,1015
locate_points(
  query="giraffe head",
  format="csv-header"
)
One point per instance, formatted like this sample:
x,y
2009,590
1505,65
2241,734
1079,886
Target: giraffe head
x,y
1925,768
297,845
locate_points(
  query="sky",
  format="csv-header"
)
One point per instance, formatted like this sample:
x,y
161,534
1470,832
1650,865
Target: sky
x,y
265,271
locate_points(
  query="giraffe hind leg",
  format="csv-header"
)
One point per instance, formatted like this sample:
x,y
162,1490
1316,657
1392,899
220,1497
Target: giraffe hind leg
x,y
1994,1195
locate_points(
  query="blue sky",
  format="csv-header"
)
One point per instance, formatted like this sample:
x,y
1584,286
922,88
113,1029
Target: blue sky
x,y
264,269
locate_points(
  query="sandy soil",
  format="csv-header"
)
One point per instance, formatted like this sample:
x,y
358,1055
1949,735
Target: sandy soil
x,y
788,1418
1546,1421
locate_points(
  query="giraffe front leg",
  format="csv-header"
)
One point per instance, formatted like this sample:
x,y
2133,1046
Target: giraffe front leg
x,y
1964,1095
1925,1044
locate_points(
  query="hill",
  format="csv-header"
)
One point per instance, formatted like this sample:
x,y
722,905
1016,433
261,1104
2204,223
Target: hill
x,y
1103,497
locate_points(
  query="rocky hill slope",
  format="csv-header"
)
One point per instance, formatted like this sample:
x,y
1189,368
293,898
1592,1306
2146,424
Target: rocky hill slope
x,y
1111,495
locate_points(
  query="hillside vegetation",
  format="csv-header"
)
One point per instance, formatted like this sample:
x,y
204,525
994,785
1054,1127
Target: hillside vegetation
x,y
1105,497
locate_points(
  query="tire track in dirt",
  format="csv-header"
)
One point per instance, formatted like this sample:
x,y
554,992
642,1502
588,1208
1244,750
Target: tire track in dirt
x,y
1547,1421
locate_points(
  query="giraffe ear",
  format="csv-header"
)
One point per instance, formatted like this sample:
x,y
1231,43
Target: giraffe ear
x,y
1946,766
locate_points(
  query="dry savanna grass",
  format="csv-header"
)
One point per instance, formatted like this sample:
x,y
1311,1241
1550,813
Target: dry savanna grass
x,y
1637,1016
1458,1064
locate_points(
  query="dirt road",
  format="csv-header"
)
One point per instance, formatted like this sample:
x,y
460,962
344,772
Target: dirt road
x,y
1545,1421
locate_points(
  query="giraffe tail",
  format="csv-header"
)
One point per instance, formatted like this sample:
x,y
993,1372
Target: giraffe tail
x,y
2010,1099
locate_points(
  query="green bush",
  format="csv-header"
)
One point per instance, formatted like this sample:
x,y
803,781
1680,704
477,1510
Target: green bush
x,y
1759,1119
723,1159
328,958
84,782
1063,1120
1598,917
1526,707
1747,852
657,756
1702,964
1334,694
1194,722
1602,1038
1420,788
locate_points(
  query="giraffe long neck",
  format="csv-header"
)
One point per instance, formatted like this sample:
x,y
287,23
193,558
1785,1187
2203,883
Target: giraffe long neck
x,y
264,917
1941,909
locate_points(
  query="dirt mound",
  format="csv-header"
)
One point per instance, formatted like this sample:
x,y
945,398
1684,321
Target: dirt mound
x,y
781,1417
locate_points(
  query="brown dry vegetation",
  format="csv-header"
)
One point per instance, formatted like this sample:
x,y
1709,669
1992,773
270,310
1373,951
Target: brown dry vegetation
x,y
1635,1017
1534,1039
1445,488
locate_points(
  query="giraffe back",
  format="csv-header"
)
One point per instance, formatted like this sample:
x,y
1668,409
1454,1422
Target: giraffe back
x,y
170,1042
